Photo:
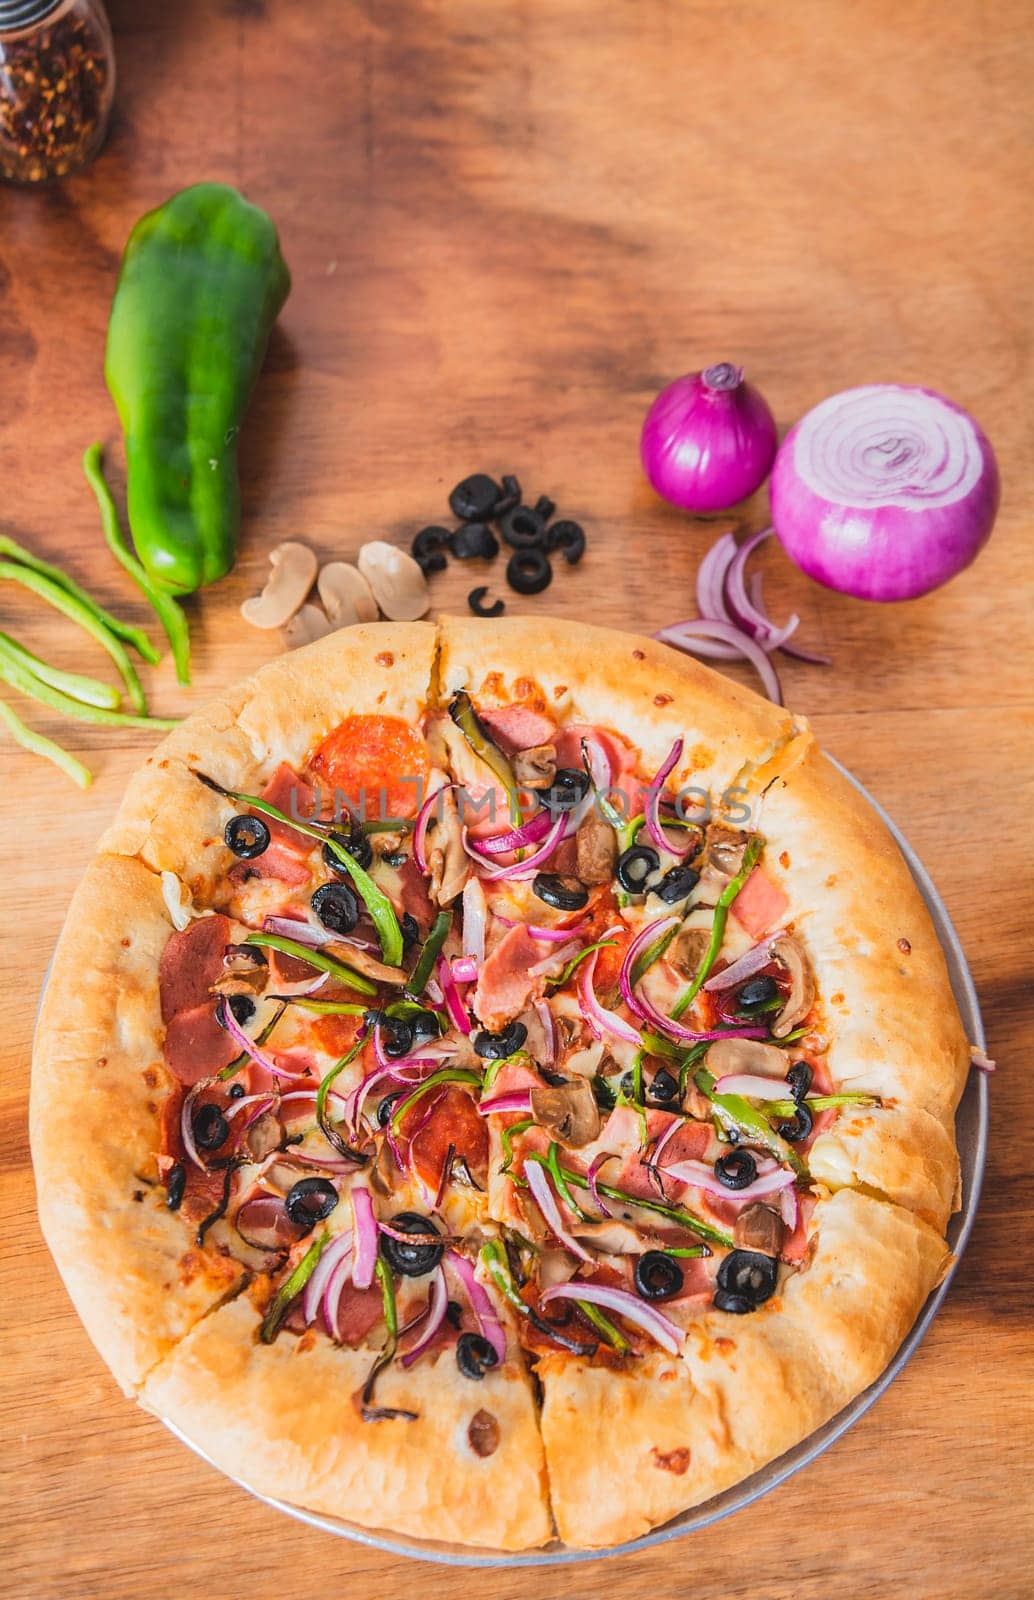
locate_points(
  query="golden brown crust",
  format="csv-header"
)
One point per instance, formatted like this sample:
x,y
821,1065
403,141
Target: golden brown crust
x,y
282,1417
98,1086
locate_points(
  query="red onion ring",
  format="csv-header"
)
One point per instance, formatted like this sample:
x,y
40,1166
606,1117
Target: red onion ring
x,y
437,1306
549,935
458,1014
519,1100
548,1026
332,1295
538,1183
593,1175
423,822
658,1326
517,869
700,1176
556,960
752,1086
337,1250
742,609
254,1052
601,1021
651,810
744,967
365,1235
475,921
488,1322
517,838
688,636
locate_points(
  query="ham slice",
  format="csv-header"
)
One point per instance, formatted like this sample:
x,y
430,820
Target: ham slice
x,y
196,1046
191,963
517,728
358,1312
761,905
504,986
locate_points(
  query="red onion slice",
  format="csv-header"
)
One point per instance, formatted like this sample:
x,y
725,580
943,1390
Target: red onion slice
x,y
301,932
266,1100
365,1233
648,1012
599,773
685,636
981,1060
555,961
458,1013
332,1295
700,1176
538,1183
789,1207
548,1026
338,1250
517,869
519,1100
651,810
659,1327
484,1311
602,1023
549,935
464,969
745,967
593,1174
711,582
437,1306
475,921
743,611
187,1121
530,832
423,820
254,1052
752,1086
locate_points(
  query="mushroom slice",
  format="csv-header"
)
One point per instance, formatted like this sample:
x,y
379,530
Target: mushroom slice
x,y
447,861
726,1056
759,1227
398,585
361,961
801,998
568,1111
597,850
307,625
293,573
535,768
346,595
613,1238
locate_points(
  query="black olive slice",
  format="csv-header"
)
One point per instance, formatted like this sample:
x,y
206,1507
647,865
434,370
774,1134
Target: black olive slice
x,y
425,1025
175,1184
428,544
529,572
247,837
737,1169
454,1313
475,497
358,847
657,1276
664,1087
476,602
757,992
544,507
678,882
396,1032
524,529
310,1200
337,907
242,1008
497,1046
799,1078
474,1355
237,1091
474,539
387,1106
409,927
736,1304
408,1259
570,786
799,1126
748,1274
635,865
568,537
209,1127
563,894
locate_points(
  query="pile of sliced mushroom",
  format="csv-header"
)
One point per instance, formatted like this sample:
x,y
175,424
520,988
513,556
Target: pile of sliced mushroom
x,y
385,582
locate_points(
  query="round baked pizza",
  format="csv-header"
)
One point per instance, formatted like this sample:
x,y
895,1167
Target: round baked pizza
x,y
496,1084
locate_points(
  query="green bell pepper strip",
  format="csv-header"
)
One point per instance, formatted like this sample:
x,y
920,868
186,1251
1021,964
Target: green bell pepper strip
x,y
820,1102
494,1257
652,953
201,284
443,1075
11,550
73,608
14,673
315,958
564,976
429,954
331,1135
461,710
381,910
755,845
551,1162
263,1034
749,1119
165,607
88,691
322,1008
38,745
371,1413
508,1135
685,1219
604,1325
290,1289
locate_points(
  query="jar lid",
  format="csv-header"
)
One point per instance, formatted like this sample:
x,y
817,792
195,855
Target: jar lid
x,y
23,13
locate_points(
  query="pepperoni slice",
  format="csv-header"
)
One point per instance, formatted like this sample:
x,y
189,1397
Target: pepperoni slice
x,y
196,1046
453,1122
190,964
370,759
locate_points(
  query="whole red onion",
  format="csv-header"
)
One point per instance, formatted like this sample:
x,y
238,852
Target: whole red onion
x,y
709,440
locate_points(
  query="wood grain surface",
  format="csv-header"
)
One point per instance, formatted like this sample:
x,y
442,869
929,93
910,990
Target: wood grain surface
x,y
509,223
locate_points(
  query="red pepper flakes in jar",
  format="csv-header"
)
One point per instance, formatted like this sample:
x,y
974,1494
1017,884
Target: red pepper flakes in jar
x,y
57,81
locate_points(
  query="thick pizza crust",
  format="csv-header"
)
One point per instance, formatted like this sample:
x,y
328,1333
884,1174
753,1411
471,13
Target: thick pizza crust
x,y
98,1086
283,1418
624,1451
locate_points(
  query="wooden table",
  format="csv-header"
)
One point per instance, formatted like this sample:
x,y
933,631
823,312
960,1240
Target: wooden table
x,y
508,225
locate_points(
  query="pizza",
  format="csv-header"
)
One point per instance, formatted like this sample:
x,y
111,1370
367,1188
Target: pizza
x,y
496,1083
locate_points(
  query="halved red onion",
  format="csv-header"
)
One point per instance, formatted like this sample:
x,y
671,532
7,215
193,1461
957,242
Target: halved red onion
x,y
752,1086
555,961
475,921
519,1100
651,810
437,1306
548,1026
659,1327
593,1174
338,1250
254,1052
529,832
549,935
701,1176
484,1311
602,1023
423,820
542,1193
458,1014
517,869
692,636
365,1234
743,968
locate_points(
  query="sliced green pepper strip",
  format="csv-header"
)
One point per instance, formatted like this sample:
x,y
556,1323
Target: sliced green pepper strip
x,y
494,1257
604,1325
556,1172
755,845
565,975
371,1413
443,1075
652,953
820,1102
461,710
685,1219
290,1289
136,637
260,1038
695,1054
88,691
18,676
38,745
329,1133
73,608
323,1008
316,958
429,954
684,1250
508,1135
164,605
655,1045
388,825
750,1120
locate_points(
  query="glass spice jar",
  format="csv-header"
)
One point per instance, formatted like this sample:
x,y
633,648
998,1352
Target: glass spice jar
x,y
57,80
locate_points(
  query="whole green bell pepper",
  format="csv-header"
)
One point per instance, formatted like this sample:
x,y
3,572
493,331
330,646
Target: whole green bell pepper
x,y
201,284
